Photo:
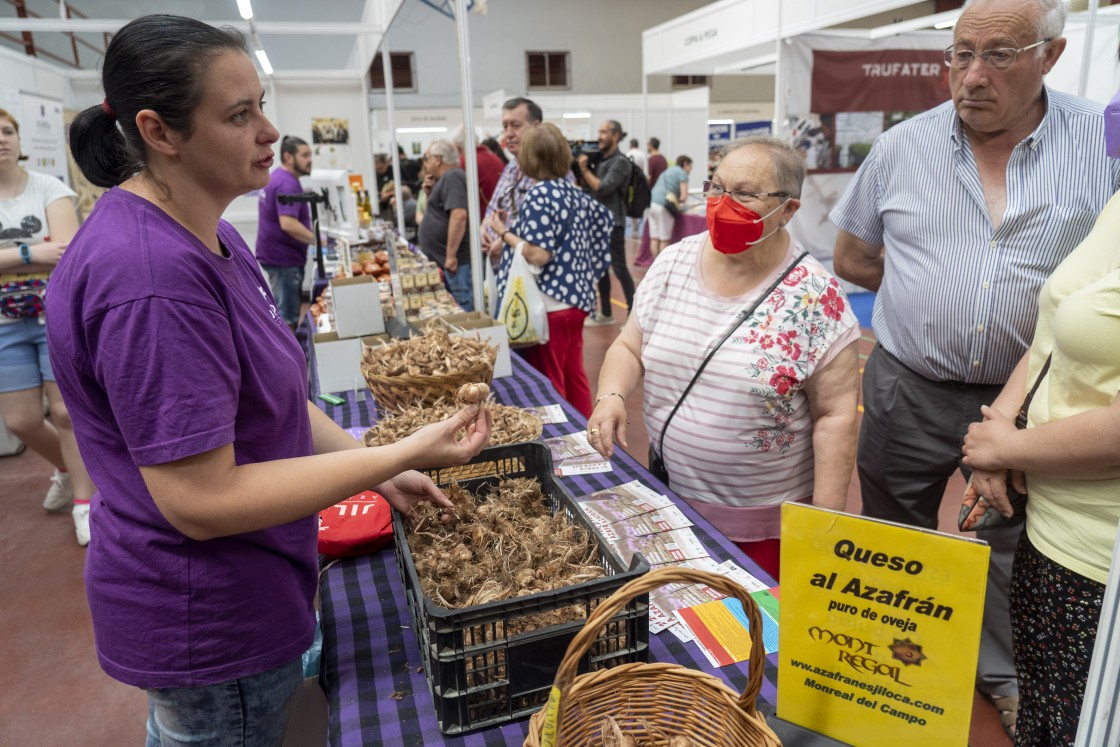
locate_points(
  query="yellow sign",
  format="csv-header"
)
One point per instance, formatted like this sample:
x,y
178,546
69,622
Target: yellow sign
x,y
880,628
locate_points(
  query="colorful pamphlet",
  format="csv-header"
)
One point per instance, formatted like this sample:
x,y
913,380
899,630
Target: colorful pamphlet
x,y
572,454
664,547
549,414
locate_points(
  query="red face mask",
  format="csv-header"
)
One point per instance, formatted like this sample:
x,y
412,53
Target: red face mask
x,y
735,228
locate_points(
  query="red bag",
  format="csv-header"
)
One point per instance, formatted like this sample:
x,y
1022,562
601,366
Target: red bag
x,y
359,525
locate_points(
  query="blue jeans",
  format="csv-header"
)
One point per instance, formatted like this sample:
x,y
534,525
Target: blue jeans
x,y
286,284
247,712
23,355
460,287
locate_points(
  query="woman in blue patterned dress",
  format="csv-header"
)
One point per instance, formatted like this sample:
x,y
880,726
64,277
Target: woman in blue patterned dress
x,y
566,234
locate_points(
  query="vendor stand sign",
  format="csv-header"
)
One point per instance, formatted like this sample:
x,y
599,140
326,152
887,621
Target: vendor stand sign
x,y
880,629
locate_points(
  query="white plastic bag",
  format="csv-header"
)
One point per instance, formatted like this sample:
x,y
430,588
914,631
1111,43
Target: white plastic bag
x,y
523,312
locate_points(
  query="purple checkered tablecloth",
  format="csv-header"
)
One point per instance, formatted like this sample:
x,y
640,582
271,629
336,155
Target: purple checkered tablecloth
x,y
371,669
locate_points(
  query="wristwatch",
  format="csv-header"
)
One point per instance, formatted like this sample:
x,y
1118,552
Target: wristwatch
x,y
25,253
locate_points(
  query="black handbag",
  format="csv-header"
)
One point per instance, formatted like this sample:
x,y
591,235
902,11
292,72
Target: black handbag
x,y
991,518
656,463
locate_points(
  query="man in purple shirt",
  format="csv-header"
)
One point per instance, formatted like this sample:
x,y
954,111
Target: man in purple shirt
x,y
284,231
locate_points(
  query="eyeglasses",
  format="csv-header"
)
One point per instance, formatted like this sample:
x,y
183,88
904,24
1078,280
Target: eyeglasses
x,y
714,191
1000,59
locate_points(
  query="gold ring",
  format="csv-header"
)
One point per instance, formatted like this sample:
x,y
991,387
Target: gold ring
x,y
593,430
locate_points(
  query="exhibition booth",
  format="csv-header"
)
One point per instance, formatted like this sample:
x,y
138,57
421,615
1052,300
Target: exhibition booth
x,y
872,636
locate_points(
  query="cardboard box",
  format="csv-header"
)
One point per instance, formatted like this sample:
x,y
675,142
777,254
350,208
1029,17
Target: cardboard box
x,y
357,306
339,363
482,325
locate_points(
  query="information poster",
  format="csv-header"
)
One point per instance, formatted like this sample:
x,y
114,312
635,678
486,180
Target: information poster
x,y
43,136
880,628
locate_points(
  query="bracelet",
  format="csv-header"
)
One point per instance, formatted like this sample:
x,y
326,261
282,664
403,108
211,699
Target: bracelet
x,y
25,253
609,394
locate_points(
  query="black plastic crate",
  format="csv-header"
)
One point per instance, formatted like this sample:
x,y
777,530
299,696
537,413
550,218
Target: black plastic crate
x,y
480,671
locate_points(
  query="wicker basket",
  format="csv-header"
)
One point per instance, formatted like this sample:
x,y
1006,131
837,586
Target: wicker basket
x,y
395,392
654,702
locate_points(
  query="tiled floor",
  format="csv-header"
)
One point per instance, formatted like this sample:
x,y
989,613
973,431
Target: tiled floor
x,y
52,691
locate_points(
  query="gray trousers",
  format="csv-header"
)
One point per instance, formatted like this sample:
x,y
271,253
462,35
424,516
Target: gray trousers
x,y
909,446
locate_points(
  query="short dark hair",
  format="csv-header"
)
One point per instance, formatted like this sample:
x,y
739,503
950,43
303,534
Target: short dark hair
x,y
535,114
683,161
290,145
156,62
655,143
633,142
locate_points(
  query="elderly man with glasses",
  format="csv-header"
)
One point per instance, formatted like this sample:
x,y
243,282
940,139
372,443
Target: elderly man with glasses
x,y
956,218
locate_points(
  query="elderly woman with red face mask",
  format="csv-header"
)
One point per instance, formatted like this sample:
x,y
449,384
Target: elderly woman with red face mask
x,y
748,349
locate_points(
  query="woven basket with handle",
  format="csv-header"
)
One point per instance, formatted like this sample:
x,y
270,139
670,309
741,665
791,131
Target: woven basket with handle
x,y
653,702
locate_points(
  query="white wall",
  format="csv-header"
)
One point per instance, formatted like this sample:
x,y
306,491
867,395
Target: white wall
x,y
27,74
604,40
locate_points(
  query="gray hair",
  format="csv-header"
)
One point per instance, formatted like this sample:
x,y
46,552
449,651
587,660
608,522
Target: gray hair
x,y
447,152
1051,17
459,137
787,162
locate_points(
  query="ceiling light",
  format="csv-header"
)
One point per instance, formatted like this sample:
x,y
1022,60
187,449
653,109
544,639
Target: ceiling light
x,y
721,121
245,7
577,115
945,24
266,66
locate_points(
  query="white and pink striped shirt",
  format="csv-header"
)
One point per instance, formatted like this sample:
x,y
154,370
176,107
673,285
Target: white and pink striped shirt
x,y
741,443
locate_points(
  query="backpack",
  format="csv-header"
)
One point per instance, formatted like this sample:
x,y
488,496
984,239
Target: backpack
x,y
638,193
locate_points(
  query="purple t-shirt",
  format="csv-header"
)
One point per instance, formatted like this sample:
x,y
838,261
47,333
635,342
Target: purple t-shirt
x,y
274,247
164,350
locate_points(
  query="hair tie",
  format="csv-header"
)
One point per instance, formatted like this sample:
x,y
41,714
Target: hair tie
x,y
108,109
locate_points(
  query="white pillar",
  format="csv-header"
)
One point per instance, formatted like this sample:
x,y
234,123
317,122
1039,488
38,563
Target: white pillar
x,y
387,67
474,219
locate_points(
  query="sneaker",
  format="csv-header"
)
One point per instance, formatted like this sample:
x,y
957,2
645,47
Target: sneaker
x,y
61,492
598,320
81,522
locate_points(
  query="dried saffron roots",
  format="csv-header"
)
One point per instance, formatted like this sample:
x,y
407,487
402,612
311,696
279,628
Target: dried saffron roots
x,y
433,353
511,424
501,545
473,394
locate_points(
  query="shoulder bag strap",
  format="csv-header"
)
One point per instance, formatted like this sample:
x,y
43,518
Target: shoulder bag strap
x,y
742,317
1021,418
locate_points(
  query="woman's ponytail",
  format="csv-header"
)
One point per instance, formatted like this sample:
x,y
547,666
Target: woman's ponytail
x,y
99,147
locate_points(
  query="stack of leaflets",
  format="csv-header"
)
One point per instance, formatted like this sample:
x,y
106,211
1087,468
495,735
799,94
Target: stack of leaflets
x,y
573,454
634,518
549,413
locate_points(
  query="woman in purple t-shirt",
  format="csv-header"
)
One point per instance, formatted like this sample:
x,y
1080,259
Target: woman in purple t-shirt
x,y
188,395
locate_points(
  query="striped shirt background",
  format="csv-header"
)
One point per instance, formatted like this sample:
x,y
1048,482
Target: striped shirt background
x,y
743,435
959,298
